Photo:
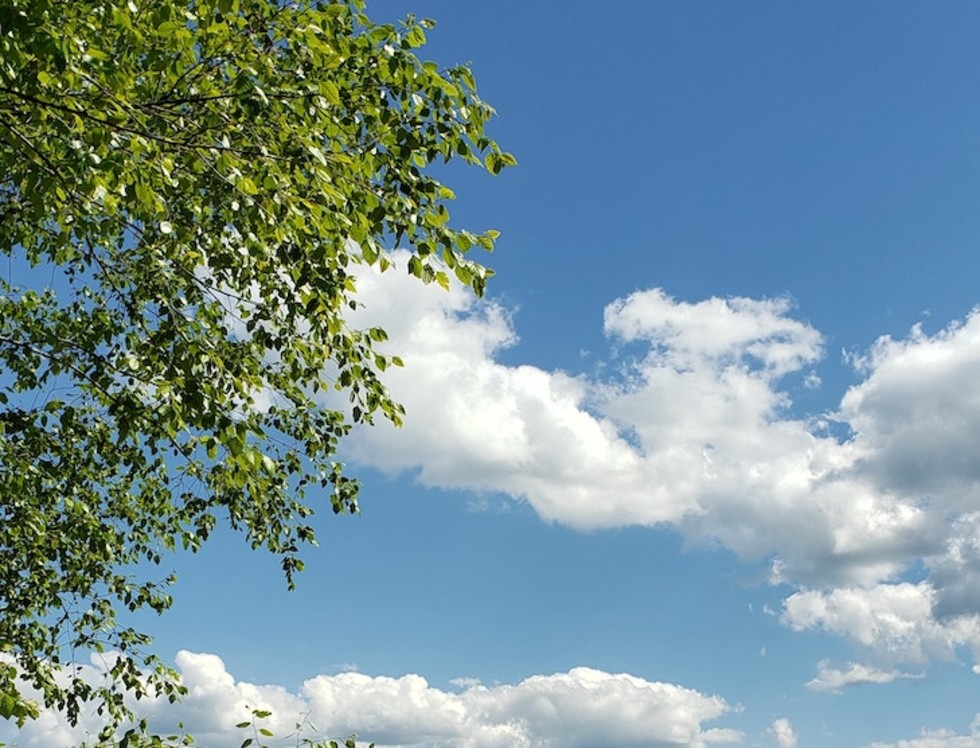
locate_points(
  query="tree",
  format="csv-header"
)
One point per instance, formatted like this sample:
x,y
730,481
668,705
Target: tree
x,y
185,189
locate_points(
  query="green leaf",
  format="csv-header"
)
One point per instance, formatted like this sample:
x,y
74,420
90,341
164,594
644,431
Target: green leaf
x,y
415,37
188,188
247,186
329,91
494,163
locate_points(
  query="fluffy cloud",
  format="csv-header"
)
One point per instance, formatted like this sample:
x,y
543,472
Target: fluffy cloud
x,y
783,733
895,621
583,707
473,423
694,429
934,739
939,739
836,680
917,414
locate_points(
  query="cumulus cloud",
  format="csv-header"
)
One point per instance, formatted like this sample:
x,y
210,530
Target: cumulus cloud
x,y
783,733
836,680
943,738
474,423
934,739
694,429
583,707
917,414
897,621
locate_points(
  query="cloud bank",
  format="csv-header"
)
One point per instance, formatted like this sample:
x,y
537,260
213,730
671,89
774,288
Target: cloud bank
x,y
580,708
694,429
939,739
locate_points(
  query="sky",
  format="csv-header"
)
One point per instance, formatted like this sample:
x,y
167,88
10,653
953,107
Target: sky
x,y
702,468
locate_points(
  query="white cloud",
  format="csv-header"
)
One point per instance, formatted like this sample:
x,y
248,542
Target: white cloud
x,y
917,414
583,707
473,423
722,331
782,732
934,739
955,573
694,430
895,621
939,739
587,707
214,703
836,680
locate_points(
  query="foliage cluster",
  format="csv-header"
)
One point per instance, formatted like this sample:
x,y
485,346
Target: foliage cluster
x,y
186,187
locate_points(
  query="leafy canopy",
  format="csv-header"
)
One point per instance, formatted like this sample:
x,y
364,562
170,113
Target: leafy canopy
x,y
185,189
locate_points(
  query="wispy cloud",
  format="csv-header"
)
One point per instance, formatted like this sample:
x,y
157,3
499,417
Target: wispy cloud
x,y
836,680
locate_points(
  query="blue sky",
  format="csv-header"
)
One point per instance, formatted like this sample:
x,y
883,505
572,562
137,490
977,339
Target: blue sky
x,y
702,469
